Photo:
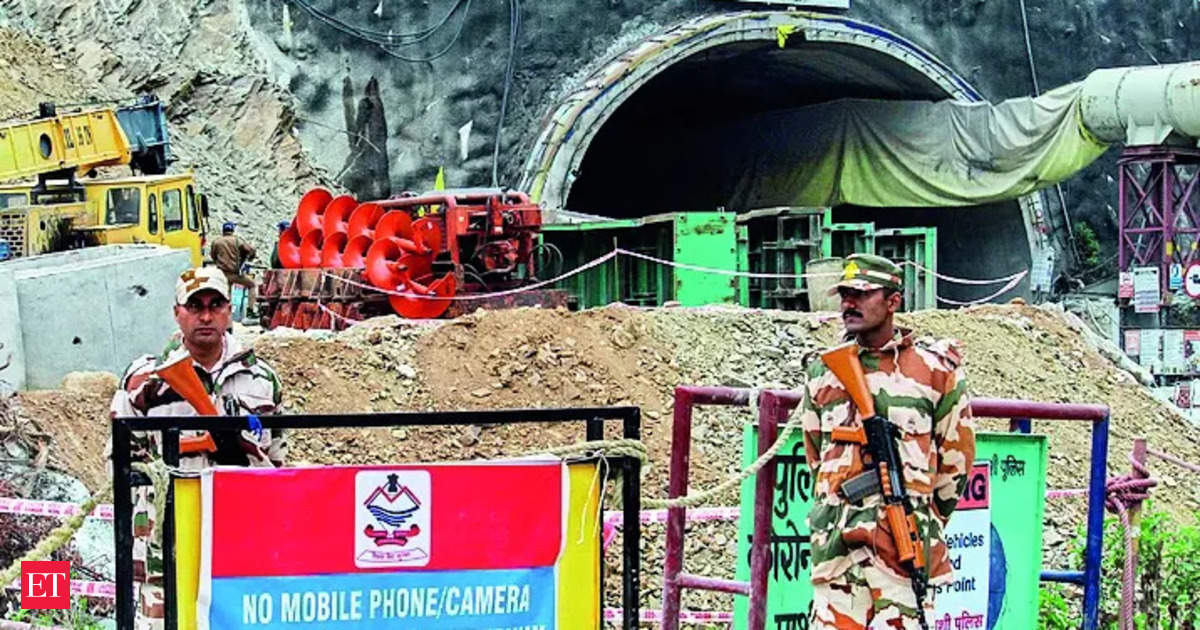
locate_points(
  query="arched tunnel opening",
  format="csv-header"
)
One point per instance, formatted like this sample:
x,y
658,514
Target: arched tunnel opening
x,y
676,144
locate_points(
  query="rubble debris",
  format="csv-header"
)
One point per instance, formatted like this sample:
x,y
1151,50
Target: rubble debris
x,y
531,357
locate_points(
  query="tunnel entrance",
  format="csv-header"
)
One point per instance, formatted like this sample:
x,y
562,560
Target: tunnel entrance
x,y
663,130
689,104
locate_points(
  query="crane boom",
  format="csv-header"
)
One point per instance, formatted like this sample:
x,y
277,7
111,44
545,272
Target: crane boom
x,y
62,143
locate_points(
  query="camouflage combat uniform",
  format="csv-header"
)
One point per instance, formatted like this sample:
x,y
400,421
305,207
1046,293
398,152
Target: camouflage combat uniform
x,y
240,384
920,387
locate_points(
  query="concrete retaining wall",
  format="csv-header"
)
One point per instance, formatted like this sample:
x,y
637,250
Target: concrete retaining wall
x,y
87,309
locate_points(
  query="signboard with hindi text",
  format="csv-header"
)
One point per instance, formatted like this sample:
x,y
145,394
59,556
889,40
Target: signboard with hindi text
x,y
1016,493
997,561
1174,360
963,603
456,545
1147,291
1150,349
789,591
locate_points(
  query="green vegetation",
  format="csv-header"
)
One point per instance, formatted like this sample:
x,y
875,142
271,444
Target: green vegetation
x,y
1167,596
1088,244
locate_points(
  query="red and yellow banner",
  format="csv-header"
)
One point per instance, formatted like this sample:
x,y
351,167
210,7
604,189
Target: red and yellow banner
x,y
463,545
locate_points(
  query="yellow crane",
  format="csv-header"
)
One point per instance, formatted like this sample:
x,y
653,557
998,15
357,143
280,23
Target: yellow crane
x,y
67,207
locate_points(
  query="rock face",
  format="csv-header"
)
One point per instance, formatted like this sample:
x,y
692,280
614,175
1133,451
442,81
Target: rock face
x,y
246,79
229,122
462,82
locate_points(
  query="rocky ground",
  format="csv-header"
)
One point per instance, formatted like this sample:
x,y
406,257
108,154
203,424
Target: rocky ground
x,y
620,355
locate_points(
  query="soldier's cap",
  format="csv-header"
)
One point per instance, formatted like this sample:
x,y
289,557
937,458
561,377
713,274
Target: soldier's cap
x,y
200,279
867,272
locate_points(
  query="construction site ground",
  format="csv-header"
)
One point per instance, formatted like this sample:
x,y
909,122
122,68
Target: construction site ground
x,y
619,355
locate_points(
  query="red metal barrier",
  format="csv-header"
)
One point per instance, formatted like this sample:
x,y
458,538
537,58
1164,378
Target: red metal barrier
x,y
774,406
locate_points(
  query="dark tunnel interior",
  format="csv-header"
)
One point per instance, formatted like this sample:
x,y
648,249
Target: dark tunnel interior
x,y
655,153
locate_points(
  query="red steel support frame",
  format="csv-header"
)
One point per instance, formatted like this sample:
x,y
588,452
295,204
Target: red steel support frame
x,y
1158,223
774,406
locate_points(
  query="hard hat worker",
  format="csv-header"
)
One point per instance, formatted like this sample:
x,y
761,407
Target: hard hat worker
x,y
233,378
919,386
275,264
230,252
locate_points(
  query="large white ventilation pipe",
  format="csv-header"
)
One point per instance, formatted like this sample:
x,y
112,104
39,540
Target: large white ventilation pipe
x,y
1143,105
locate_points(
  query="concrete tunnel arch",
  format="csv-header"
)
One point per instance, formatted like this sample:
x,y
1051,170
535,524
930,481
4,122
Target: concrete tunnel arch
x,y
587,156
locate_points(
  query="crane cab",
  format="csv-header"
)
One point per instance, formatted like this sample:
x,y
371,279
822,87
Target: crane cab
x,y
157,209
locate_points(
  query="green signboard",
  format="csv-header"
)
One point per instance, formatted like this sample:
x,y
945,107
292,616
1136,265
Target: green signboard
x,y
996,553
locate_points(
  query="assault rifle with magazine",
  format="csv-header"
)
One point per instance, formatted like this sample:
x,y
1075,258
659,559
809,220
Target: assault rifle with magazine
x,y
884,475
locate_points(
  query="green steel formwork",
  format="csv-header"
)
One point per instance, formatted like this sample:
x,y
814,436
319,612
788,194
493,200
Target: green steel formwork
x,y
777,240
916,245
773,240
842,239
705,239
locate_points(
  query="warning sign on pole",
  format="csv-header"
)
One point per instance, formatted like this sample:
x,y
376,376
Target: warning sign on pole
x,y
1147,290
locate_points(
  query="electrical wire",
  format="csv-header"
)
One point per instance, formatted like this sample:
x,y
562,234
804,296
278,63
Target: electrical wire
x,y
462,23
514,28
1037,91
371,35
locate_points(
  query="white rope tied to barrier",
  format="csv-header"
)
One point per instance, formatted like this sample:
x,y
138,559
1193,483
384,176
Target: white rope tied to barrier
x,y
479,296
1011,280
1004,289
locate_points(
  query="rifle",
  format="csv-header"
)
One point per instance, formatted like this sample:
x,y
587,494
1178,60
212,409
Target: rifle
x,y
222,445
885,472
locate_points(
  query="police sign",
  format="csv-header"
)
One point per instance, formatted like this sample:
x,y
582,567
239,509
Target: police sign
x,y
1191,280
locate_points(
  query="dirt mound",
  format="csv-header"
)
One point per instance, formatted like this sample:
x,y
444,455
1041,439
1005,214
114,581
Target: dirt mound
x,y
620,355
74,428
1037,353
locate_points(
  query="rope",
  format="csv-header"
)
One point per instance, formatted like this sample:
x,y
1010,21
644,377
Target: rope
x,y
956,280
637,450
477,296
723,272
61,535
1004,289
612,448
1122,493
1174,460
1010,280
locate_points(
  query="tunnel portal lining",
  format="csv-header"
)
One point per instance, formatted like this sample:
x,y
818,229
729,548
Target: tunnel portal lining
x,y
638,102
576,119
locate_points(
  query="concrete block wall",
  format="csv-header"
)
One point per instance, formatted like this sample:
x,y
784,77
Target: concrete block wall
x,y
89,309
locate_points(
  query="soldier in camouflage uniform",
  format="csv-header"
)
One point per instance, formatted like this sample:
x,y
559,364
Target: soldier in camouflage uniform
x,y
920,386
239,384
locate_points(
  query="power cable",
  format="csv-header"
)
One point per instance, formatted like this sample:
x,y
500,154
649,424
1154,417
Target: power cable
x,y
514,28
441,53
371,35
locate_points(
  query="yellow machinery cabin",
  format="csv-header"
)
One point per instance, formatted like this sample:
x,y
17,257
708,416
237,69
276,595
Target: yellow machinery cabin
x,y
68,207
156,209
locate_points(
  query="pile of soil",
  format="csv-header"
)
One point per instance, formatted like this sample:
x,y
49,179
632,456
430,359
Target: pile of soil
x,y
619,355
